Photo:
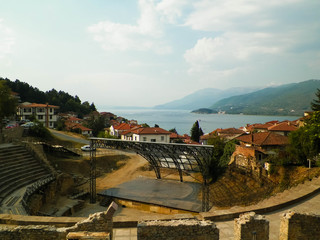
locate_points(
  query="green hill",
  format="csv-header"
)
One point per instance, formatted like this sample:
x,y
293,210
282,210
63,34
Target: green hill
x,y
64,100
203,98
289,99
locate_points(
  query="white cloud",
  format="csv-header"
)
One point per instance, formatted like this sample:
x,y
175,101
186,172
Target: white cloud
x,y
7,40
172,10
224,15
230,50
147,34
244,33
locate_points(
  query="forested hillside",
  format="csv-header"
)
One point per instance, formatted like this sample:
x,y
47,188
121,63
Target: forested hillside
x,y
203,98
289,99
66,102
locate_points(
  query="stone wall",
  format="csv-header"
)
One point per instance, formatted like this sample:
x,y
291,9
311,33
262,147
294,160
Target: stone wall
x,y
251,226
98,222
33,232
178,230
12,135
296,226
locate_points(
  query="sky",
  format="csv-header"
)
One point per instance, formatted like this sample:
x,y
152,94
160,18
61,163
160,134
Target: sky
x,y
150,52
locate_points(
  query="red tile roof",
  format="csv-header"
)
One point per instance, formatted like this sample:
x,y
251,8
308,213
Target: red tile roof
x,y
83,128
273,122
176,136
150,131
123,126
74,119
262,126
71,125
284,127
264,139
189,141
39,105
229,131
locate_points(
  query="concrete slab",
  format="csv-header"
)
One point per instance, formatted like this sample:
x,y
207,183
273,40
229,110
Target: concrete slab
x,y
167,193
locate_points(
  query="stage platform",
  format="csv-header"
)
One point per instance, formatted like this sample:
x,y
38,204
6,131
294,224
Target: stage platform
x,y
166,193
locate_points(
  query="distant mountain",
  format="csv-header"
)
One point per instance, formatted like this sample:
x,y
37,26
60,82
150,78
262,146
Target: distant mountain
x,y
289,99
203,98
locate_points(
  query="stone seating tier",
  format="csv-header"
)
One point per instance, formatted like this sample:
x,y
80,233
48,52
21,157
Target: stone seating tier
x,y
13,164
18,168
21,181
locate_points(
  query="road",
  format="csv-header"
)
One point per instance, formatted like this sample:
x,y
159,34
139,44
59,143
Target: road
x,y
68,137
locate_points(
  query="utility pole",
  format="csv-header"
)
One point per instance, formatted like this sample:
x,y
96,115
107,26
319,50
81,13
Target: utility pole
x,y
47,115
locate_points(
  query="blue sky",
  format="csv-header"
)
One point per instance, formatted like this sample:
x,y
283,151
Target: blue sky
x,y
149,52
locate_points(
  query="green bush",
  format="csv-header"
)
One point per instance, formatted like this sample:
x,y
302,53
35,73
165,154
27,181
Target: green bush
x,y
39,131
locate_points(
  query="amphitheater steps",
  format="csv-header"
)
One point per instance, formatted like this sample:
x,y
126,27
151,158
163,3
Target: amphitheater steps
x,y
18,169
21,181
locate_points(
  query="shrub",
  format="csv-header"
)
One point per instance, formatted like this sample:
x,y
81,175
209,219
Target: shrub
x,y
39,131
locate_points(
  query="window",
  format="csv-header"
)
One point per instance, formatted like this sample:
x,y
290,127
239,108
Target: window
x,y
40,117
144,139
50,117
162,138
153,140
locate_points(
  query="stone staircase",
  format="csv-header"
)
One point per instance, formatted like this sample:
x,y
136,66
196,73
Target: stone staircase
x,y
18,168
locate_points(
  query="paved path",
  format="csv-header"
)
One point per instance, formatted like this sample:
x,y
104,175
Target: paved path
x,y
310,205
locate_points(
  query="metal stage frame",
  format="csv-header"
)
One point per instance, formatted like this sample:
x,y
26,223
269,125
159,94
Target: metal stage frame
x,y
183,157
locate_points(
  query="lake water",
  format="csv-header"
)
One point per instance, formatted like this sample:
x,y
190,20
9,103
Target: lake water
x,y
183,120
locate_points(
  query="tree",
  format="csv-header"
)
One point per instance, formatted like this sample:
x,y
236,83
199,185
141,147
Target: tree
x,y
145,125
215,167
66,102
40,131
8,103
305,142
97,125
173,130
228,150
93,107
196,132
315,104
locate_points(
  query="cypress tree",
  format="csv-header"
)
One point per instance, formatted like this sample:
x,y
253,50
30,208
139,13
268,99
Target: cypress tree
x,y
315,104
196,132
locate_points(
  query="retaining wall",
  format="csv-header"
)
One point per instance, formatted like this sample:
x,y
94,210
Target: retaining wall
x,y
98,222
296,226
251,226
178,230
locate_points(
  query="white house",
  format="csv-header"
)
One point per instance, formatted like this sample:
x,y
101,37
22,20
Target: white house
x,y
117,130
154,134
45,113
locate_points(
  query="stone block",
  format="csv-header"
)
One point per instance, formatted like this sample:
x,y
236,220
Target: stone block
x,y
250,226
296,226
178,230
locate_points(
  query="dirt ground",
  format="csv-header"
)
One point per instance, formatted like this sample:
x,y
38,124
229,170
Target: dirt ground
x,y
129,171
134,167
